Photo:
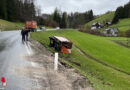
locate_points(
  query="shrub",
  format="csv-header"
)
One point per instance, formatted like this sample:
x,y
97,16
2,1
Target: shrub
x,y
88,30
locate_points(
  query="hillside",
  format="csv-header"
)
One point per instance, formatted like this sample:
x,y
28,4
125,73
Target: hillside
x,y
100,58
6,25
102,19
123,24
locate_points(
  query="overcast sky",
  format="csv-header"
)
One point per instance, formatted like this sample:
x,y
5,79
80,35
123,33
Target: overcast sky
x,y
98,6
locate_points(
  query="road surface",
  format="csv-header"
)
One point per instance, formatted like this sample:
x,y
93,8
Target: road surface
x,y
30,66
12,53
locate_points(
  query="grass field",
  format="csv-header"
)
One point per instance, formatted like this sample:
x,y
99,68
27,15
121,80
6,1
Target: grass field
x,y
123,25
105,63
45,27
6,25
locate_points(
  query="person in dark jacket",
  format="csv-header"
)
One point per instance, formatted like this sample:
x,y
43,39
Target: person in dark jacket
x,y
25,34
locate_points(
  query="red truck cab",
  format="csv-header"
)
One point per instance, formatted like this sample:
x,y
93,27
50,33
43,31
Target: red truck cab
x,y
32,25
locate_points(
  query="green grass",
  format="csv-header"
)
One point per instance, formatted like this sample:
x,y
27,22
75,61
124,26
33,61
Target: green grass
x,y
49,28
45,27
103,48
123,24
6,25
102,19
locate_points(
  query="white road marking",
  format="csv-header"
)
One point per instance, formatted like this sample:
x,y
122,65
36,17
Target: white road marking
x,y
28,48
29,51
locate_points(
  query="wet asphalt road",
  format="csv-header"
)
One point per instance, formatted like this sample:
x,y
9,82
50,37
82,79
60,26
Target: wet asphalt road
x,y
12,52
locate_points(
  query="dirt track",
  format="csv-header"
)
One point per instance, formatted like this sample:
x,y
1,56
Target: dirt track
x,y
44,76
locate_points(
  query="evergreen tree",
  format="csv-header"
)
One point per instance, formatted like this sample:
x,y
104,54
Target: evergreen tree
x,y
90,15
33,12
122,12
127,10
3,11
57,16
115,19
11,10
117,16
17,10
64,20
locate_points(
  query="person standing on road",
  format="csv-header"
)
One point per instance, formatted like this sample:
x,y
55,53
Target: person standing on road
x,y
25,34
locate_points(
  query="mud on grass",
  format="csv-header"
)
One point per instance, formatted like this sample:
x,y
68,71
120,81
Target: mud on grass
x,y
122,43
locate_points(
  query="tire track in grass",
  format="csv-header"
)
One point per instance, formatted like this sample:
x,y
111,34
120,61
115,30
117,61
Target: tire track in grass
x,y
99,61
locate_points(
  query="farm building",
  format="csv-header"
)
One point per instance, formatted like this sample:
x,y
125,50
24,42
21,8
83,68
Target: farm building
x,y
96,25
108,23
111,32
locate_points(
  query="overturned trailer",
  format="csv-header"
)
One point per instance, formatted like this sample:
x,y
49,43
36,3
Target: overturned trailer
x,y
60,44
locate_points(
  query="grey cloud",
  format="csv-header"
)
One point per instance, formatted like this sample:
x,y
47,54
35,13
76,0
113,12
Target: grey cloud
x,y
98,6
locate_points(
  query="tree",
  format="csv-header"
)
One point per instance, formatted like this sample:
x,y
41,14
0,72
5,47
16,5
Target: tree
x,y
122,12
64,20
77,19
117,15
3,9
32,10
57,16
17,10
90,15
41,21
11,10
38,11
127,10
116,19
